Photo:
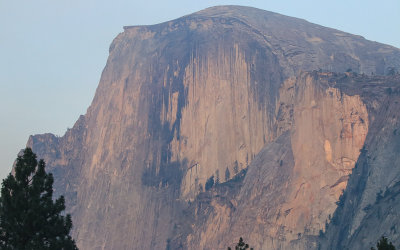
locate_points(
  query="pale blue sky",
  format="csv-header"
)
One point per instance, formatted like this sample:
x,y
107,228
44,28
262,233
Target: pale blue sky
x,y
52,52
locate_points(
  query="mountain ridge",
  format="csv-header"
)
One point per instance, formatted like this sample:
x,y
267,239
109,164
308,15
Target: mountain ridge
x,y
188,99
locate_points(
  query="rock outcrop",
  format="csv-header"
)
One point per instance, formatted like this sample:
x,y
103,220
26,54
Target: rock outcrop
x,y
208,95
368,208
289,193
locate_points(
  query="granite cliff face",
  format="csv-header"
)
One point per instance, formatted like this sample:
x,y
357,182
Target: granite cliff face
x,y
288,198
369,206
216,93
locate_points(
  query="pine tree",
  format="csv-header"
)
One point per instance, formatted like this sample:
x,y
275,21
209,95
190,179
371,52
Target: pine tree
x,y
383,244
227,174
241,245
217,176
209,183
29,218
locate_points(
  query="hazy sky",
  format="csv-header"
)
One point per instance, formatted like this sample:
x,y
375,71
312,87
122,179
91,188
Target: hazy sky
x,y
52,52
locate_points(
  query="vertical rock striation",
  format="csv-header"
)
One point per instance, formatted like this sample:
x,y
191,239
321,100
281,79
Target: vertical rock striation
x,y
206,95
292,186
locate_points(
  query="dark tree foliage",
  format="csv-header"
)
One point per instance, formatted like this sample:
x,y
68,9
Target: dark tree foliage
x,y
217,176
241,245
235,167
209,183
227,174
29,218
383,244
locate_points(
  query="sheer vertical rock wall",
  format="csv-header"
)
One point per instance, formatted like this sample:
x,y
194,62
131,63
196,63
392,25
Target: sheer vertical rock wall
x,y
204,95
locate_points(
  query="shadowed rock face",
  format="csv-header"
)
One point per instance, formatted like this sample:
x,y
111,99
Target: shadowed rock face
x,y
206,95
289,194
369,206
